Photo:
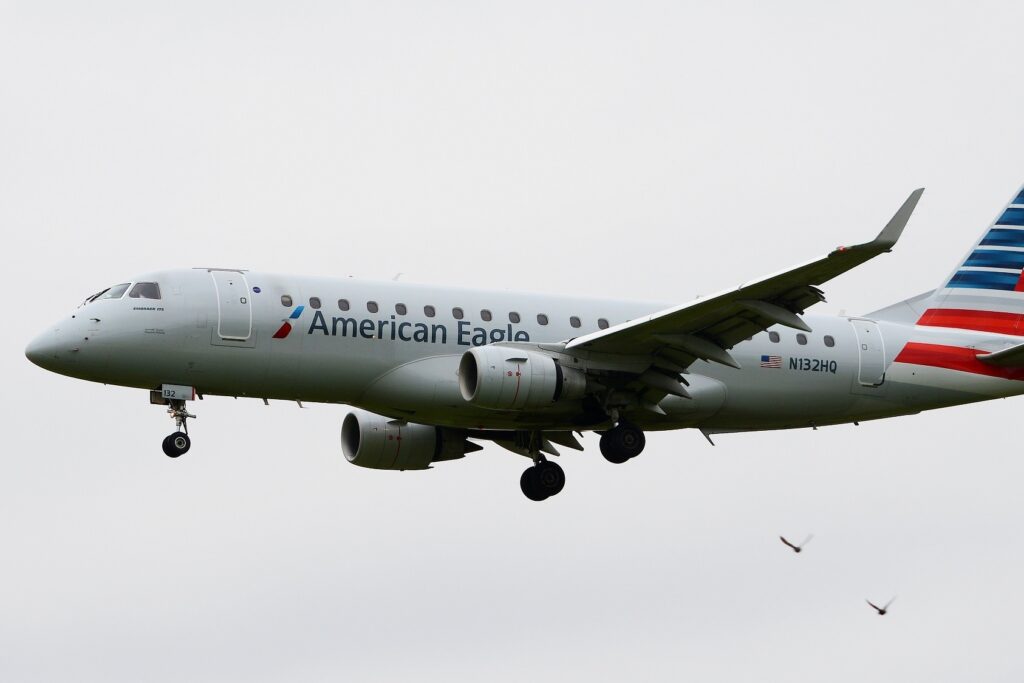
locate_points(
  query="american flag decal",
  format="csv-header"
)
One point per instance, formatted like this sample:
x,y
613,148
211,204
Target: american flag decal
x,y
771,361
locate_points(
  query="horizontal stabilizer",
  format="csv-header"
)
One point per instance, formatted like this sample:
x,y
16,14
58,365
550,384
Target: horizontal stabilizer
x,y
1012,357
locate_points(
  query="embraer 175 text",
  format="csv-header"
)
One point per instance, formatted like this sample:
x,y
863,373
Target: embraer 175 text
x,y
431,371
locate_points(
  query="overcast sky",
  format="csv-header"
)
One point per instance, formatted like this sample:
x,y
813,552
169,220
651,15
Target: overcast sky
x,y
631,150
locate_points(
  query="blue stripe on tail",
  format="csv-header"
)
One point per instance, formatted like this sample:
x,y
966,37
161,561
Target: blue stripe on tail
x,y
984,279
999,237
993,258
1012,217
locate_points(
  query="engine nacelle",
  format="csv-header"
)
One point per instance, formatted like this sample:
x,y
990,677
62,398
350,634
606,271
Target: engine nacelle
x,y
382,443
507,378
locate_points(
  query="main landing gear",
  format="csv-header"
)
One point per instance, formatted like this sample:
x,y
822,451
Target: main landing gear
x,y
178,443
622,442
543,480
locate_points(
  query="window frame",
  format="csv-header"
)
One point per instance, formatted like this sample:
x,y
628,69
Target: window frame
x,y
103,296
136,285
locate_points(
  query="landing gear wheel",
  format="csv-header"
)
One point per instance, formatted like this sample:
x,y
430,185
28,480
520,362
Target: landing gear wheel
x,y
176,444
622,442
543,480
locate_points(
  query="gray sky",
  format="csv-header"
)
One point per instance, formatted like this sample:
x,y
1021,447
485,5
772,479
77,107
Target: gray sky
x,y
630,150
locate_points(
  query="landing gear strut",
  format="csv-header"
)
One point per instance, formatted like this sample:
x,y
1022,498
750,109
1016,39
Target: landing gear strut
x,y
543,480
178,443
622,442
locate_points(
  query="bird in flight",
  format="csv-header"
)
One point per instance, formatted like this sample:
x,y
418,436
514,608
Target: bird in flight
x,y
797,548
881,610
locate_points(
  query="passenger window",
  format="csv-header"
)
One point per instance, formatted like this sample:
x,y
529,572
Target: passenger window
x,y
343,304
115,292
801,339
286,300
574,321
829,341
773,337
542,319
145,290
372,306
429,311
314,302
485,315
513,317
457,313
400,309
602,323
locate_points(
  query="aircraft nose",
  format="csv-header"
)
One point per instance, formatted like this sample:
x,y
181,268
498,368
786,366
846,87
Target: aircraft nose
x,y
45,350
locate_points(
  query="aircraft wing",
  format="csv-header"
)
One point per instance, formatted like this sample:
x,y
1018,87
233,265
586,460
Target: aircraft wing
x,y
706,328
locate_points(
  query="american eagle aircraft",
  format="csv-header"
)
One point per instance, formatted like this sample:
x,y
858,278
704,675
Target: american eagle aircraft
x,y
430,372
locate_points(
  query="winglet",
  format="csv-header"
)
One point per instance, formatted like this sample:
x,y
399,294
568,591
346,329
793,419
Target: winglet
x,y
894,228
886,239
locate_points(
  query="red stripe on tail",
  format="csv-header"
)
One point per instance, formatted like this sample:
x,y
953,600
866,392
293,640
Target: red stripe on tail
x,y
965,319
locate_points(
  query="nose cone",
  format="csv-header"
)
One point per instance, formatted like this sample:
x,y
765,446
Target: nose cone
x,y
46,351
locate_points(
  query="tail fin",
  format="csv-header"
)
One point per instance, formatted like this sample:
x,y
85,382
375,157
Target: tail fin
x,y
986,292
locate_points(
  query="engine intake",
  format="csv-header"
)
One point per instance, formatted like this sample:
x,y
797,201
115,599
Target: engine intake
x,y
381,443
508,378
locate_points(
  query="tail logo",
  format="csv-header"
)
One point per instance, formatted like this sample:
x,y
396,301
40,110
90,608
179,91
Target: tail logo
x,y
998,260
286,326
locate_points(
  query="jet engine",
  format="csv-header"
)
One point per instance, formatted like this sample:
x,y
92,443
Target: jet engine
x,y
382,443
507,378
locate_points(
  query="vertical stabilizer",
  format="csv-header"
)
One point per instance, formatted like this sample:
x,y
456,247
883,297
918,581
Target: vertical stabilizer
x,y
986,291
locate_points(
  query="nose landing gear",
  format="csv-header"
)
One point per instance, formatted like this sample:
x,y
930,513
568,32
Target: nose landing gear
x,y
178,443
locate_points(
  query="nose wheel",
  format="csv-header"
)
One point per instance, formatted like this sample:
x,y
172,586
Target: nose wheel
x,y
176,444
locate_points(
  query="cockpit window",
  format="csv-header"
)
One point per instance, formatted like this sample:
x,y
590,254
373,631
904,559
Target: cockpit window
x,y
115,292
145,290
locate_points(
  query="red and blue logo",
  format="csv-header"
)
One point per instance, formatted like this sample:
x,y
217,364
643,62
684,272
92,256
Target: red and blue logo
x,y
286,326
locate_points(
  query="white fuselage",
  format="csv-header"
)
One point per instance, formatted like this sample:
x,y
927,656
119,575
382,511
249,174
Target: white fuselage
x,y
231,338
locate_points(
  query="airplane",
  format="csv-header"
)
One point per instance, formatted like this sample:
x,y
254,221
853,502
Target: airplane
x,y
430,372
